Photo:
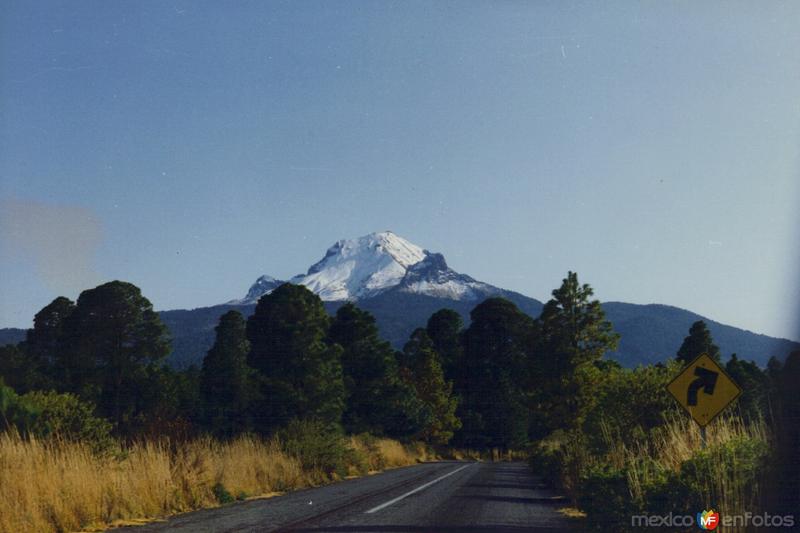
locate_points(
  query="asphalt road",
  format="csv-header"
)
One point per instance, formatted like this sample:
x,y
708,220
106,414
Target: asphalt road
x,y
445,496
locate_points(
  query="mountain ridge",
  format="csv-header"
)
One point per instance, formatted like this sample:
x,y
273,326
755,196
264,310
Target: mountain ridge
x,y
402,284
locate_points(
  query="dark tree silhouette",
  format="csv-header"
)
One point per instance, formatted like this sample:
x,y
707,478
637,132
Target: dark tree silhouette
x,y
225,379
300,372
697,342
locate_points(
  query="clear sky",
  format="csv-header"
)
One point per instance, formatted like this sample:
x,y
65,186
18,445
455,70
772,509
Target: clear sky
x,y
188,147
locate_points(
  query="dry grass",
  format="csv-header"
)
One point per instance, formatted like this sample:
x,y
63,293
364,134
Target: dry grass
x,y
60,486
734,450
680,440
378,454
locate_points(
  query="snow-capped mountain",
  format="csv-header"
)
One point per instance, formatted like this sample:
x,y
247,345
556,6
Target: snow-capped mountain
x,y
354,269
402,285
263,285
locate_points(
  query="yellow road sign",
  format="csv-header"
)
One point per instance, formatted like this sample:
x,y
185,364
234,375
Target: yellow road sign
x,y
704,389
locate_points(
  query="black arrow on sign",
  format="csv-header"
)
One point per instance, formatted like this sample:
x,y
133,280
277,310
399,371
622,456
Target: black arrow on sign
x,y
706,380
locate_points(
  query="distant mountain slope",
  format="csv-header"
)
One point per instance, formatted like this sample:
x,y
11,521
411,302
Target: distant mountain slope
x,y
651,333
402,284
192,331
11,336
397,312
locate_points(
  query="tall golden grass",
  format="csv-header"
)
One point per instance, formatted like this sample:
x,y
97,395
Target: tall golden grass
x,y
666,449
679,440
62,486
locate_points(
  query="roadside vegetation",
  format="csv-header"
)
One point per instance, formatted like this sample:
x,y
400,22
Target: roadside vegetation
x,y
635,452
61,485
96,428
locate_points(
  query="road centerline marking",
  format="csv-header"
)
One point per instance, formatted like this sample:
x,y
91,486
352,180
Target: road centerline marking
x,y
414,491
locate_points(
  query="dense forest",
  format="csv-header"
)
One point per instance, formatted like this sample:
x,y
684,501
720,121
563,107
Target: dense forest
x,y
93,371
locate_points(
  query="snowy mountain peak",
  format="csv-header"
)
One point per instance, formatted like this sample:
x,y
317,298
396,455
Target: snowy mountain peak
x,y
384,242
353,269
263,285
357,268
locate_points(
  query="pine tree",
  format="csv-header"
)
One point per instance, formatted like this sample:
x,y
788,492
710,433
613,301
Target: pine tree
x,y
574,327
46,338
225,378
109,341
754,382
572,335
493,391
18,371
445,328
698,342
426,375
377,401
300,373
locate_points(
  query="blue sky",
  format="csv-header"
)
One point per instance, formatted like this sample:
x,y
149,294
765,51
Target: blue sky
x,y
188,147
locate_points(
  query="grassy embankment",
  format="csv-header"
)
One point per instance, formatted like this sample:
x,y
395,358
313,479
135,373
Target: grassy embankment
x,y
62,486
666,471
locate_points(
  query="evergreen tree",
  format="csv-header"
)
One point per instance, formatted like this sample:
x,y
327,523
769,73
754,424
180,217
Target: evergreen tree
x,y
29,365
574,327
300,373
427,377
19,371
784,489
754,382
698,342
572,335
225,378
494,376
109,341
378,402
444,328
47,336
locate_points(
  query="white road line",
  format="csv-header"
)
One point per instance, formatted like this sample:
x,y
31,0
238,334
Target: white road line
x,y
421,487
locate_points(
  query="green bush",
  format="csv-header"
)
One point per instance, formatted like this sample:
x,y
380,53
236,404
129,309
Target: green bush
x,y
221,494
735,466
667,492
16,411
616,417
318,446
606,499
546,461
68,417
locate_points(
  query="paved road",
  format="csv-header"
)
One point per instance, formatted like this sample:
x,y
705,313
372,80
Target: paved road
x,y
445,496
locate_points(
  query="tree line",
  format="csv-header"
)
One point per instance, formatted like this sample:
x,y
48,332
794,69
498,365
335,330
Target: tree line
x,y
501,381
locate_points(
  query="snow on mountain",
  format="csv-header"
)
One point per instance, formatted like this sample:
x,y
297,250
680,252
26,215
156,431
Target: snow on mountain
x,y
433,277
263,285
355,269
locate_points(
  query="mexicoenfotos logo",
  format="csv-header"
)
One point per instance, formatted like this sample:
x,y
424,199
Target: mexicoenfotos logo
x,y
708,520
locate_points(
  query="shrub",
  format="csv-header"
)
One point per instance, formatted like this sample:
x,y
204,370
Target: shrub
x,y
606,498
615,418
68,417
221,494
547,460
317,445
728,474
667,492
16,412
